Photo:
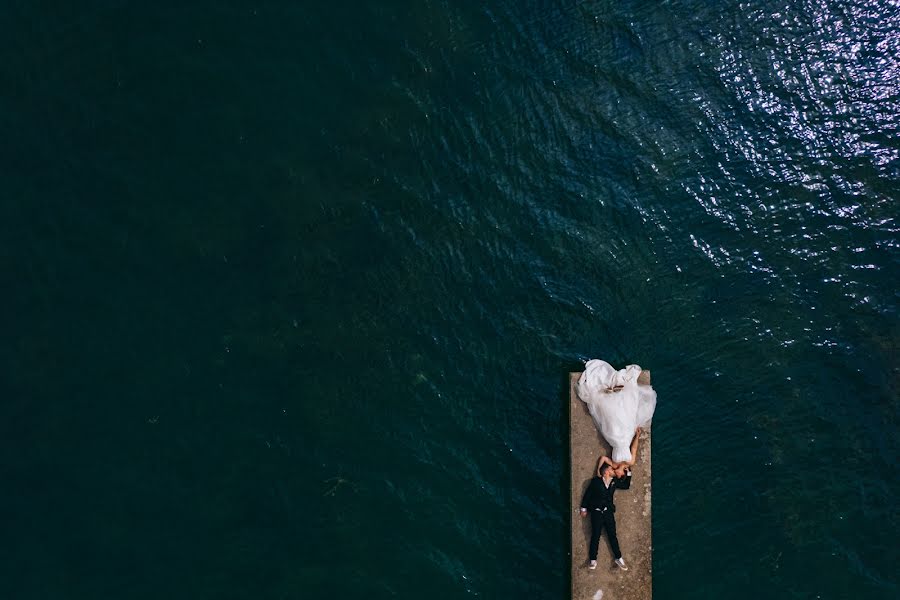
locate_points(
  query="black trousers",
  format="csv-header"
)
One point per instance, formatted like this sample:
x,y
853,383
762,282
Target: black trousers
x,y
599,520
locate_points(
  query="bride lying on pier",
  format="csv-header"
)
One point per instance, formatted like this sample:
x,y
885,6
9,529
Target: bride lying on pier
x,y
617,404
619,467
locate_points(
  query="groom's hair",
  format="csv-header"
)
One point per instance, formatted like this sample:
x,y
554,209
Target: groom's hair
x,y
601,469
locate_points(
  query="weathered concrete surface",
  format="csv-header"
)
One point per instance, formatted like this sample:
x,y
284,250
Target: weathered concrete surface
x,y
586,445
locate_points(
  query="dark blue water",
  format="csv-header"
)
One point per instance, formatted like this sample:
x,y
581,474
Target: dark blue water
x,y
290,292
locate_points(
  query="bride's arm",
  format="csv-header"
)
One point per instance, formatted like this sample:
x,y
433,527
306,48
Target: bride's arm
x,y
605,460
634,447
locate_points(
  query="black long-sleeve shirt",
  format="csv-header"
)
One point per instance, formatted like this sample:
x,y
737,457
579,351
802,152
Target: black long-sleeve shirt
x,y
598,496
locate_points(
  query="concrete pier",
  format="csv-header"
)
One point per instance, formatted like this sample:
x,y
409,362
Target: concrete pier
x,y
586,445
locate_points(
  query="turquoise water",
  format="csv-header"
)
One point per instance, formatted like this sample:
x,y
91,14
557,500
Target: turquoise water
x,y
291,292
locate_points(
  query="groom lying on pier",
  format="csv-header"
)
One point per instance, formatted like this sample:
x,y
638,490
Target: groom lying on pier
x,y
598,501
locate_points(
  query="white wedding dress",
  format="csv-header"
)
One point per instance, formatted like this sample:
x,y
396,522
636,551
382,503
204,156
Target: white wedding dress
x,y
617,403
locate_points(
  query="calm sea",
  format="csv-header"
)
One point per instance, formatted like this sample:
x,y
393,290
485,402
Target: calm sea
x,y
290,290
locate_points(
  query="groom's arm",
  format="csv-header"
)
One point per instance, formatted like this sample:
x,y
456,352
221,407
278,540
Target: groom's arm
x,y
623,483
588,499
585,497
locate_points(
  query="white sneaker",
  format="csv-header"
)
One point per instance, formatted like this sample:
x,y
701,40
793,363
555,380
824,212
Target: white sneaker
x,y
620,562
592,565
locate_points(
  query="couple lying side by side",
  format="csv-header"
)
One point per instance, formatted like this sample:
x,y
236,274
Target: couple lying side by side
x,y
598,502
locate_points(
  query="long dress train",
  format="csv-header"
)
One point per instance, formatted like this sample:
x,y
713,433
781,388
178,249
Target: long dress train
x,y
617,403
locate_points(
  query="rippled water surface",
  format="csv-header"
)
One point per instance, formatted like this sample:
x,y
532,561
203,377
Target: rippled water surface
x,y
291,292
